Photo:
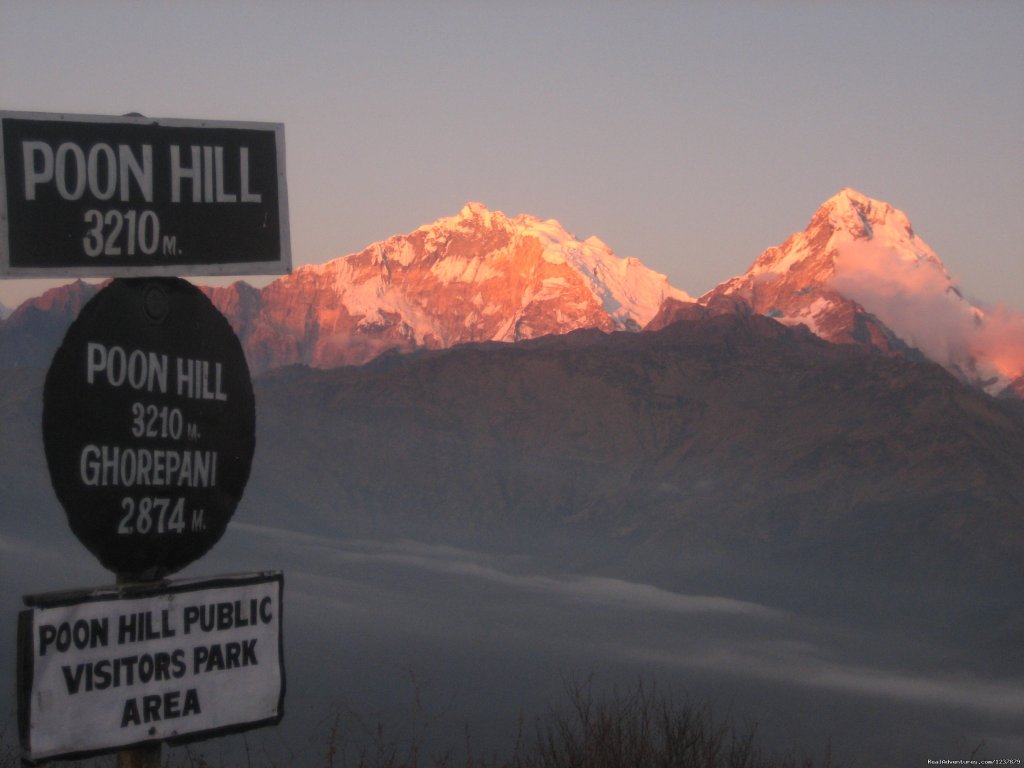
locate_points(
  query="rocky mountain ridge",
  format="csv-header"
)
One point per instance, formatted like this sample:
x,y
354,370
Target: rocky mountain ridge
x,y
721,435
723,438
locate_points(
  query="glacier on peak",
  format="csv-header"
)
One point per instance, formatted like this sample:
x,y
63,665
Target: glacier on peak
x,y
476,276
473,211
629,292
848,207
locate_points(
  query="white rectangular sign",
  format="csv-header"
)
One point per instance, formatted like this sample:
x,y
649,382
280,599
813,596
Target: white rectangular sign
x,y
119,667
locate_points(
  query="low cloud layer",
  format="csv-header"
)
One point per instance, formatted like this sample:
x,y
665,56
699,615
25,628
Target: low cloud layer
x,y
493,634
765,644
600,590
806,666
917,299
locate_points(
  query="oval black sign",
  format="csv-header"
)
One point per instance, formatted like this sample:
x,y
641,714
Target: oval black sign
x,y
149,425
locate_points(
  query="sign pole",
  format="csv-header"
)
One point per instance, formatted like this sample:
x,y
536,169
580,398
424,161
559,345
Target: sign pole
x,y
147,757
142,757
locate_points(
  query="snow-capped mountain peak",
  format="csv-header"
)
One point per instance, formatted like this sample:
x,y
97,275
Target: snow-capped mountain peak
x,y
859,273
846,217
855,213
476,276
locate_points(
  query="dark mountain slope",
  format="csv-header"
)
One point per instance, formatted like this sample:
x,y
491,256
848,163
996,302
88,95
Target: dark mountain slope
x,y
718,436
726,454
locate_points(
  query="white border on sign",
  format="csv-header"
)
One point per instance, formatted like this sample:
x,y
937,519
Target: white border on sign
x,y
280,267
43,736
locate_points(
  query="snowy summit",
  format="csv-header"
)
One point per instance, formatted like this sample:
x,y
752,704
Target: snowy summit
x,y
476,276
860,274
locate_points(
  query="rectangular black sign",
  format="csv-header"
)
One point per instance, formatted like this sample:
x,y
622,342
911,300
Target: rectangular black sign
x,y
86,195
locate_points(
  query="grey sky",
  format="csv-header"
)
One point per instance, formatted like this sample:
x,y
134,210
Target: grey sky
x,y
690,135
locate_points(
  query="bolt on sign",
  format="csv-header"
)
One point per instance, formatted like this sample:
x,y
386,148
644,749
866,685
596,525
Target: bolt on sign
x,y
121,667
85,195
149,425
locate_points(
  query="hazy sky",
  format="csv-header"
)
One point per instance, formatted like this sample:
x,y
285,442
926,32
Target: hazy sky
x,y
690,135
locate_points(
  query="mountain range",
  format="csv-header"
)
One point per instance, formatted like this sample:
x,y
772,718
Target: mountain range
x,y
858,274
725,453
511,374
515,374
816,440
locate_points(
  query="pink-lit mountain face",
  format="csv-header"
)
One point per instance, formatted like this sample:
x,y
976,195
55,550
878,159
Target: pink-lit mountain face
x,y
860,274
477,276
